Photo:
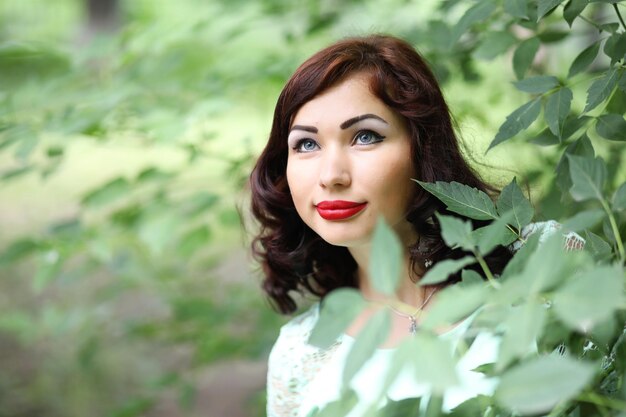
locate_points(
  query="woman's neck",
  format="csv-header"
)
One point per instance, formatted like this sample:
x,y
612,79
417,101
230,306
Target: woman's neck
x,y
408,292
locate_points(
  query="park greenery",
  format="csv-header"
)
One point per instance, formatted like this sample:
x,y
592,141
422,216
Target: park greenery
x,y
124,156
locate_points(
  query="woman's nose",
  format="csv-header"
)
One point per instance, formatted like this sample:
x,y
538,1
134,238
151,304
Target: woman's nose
x,y
335,169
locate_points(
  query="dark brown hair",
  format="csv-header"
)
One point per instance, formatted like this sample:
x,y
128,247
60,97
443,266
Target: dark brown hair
x,y
294,257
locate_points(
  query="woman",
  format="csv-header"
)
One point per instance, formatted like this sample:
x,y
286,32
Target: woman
x,y
352,127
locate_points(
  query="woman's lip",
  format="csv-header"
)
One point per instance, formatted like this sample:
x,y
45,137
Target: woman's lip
x,y
338,209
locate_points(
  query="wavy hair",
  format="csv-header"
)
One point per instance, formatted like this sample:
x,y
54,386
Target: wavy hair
x,y
293,257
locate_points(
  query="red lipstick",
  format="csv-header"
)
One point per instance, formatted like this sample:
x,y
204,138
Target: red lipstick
x,y
338,209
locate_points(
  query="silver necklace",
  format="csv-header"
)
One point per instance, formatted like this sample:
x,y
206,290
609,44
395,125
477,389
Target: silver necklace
x,y
413,317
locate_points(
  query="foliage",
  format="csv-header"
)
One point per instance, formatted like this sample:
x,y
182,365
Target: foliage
x,y
123,157
559,313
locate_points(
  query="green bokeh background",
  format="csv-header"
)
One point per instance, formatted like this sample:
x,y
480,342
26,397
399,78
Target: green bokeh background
x,y
125,279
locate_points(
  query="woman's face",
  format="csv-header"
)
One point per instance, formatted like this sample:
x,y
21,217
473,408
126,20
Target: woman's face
x,y
349,162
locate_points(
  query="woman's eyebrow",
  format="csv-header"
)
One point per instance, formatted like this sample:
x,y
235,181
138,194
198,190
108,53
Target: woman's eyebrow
x,y
357,119
305,128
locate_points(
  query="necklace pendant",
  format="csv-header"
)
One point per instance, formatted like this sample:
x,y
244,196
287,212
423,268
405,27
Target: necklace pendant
x,y
413,326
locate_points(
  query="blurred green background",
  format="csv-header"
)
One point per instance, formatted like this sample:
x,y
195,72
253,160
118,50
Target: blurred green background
x,y
127,132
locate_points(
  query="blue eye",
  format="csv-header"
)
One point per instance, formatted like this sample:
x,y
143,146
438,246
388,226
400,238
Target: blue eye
x,y
367,137
306,145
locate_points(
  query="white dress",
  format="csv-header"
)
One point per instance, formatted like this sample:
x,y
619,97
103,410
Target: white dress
x,y
302,377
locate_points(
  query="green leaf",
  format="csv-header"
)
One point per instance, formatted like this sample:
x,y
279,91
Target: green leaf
x,y
477,13
371,336
517,8
513,200
552,36
494,234
615,47
573,9
611,127
583,220
523,327
462,199
443,269
432,360
401,408
18,250
517,121
470,277
609,27
337,311
591,297
538,385
521,256
494,44
108,193
456,232
524,56
194,240
597,247
537,85
601,89
582,146
622,81
454,303
545,6
340,407
557,109
588,177
545,138
619,198
385,258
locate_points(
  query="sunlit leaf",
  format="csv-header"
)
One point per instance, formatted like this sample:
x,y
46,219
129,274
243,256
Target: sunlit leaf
x,y
371,336
545,6
538,385
513,200
573,9
443,269
517,121
462,199
523,327
524,56
456,232
583,220
557,108
601,89
337,311
588,177
385,258
537,84
590,297
611,127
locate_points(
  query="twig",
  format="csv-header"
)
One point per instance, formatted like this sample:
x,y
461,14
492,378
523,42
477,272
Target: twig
x,y
619,15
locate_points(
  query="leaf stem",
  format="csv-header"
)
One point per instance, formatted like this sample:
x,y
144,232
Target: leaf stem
x,y
591,22
619,15
615,229
593,398
486,270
